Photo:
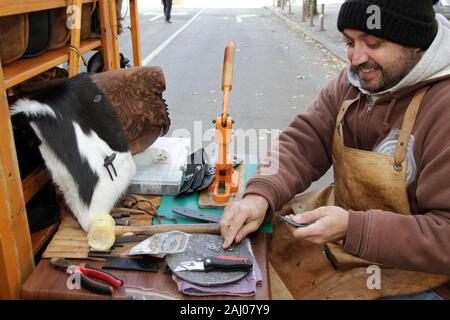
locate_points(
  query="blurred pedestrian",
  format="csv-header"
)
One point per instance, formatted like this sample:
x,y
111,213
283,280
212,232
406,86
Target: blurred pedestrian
x,y
167,9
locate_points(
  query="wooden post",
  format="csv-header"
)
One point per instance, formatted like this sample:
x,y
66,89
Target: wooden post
x,y
314,4
115,33
311,14
322,18
304,11
75,31
290,6
135,33
109,34
16,253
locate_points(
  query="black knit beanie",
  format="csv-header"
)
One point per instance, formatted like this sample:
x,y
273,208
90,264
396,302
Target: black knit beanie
x,y
411,23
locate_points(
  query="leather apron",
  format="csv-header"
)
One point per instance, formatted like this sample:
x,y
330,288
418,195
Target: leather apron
x,y
363,180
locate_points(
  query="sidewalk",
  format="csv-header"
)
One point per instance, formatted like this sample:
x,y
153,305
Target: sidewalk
x,y
331,38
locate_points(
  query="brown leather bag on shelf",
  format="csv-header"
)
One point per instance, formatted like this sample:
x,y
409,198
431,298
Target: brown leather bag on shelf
x,y
29,35
60,34
87,15
39,33
18,38
13,37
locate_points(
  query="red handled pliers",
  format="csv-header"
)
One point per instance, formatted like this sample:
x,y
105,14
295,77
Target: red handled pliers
x,y
85,271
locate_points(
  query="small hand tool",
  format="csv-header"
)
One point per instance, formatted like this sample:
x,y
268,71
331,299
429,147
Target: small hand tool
x,y
122,221
85,271
194,214
216,263
127,239
148,264
290,221
120,214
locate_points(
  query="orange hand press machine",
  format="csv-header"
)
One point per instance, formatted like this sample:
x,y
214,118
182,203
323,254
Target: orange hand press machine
x,y
226,180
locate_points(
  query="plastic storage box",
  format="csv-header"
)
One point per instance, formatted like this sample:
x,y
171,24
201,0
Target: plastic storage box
x,y
156,176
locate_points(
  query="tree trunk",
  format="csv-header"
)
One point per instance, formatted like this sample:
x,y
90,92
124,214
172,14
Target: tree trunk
x,y
308,4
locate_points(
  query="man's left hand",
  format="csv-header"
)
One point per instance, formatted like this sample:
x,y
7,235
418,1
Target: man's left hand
x,y
328,224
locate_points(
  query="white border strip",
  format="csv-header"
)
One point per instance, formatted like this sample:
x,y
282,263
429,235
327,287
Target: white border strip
x,y
149,58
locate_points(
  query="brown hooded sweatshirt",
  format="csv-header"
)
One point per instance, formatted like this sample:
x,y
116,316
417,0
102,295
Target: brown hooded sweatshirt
x,y
418,242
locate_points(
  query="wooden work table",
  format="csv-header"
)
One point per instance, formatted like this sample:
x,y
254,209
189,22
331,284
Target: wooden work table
x,y
49,283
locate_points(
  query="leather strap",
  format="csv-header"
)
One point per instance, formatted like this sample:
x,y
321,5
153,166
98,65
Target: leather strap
x,y
345,105
408,123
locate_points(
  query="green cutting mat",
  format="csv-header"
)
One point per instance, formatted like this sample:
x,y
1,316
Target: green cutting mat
x,y
191,201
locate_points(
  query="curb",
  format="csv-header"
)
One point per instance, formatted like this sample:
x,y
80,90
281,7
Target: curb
x,y
338,52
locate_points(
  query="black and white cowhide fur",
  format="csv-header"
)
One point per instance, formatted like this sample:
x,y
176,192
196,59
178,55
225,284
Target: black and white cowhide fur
x,y
78,128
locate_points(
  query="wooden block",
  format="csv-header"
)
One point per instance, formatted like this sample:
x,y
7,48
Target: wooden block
x,y
206,200
70,241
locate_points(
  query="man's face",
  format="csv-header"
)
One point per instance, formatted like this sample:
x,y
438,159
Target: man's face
x,y
378,63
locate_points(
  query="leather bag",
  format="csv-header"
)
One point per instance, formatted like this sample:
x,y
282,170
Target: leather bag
x,y
60,34
31,34
39,33
13,37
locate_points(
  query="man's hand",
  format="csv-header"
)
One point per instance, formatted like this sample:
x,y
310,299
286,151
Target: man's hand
x,y
330,224
241,218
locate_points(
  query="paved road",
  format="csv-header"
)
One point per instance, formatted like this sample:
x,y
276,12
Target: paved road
x,y
277,72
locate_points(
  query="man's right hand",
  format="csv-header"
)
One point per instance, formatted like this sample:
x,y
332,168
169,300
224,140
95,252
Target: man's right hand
x,y
241,218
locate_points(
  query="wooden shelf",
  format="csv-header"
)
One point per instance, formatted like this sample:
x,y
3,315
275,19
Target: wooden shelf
x,y
40,238
10,7
31,185
24,69
34,182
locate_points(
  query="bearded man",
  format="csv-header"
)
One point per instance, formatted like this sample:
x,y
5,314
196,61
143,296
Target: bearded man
x,y
383,126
